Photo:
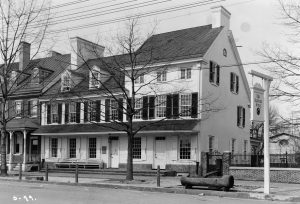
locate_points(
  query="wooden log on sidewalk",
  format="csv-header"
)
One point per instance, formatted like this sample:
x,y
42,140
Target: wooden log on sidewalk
x,y
224,183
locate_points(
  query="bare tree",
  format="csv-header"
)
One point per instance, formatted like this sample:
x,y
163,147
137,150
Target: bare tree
x,y
21,21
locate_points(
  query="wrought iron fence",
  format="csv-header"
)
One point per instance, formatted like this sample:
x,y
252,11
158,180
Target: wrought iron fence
x,y
276,160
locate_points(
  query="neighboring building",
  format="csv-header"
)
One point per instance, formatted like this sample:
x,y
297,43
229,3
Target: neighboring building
x,y
284,143
29,80
201,92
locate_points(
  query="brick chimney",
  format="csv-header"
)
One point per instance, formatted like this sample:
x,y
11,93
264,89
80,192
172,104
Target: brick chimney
x,y
220,17
24,55
83,50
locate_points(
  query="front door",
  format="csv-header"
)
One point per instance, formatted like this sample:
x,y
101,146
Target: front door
x,y
160,153
34,154
114,152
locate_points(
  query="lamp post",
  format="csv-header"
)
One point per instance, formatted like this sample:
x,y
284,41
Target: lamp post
x,y
266,85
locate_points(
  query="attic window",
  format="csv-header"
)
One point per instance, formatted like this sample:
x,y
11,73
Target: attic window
x,y
39,75
35,76
95,77
66,82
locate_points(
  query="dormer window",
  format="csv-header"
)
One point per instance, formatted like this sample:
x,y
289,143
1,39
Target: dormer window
x,y
95,77
35,76
66,82
39,75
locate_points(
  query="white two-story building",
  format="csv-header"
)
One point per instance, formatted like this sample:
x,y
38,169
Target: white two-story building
x,y
194,97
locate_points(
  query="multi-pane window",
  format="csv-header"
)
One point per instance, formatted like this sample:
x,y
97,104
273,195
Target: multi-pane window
x,y
211,144
241,116
33,106
72,112
185,148
114,109
92,147
136,148
72,148
233,146
43,75
161,76
234,83
185,73
138,108
245,148
66,82
185,104
53,147
35,76
18,108
92,111
95,78
54,113
214,73
161,106
140,79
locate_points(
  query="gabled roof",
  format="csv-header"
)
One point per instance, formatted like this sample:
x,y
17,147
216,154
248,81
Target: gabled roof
x,y
180,44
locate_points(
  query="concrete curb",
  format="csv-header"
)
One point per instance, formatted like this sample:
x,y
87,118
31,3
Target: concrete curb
x,y
200,192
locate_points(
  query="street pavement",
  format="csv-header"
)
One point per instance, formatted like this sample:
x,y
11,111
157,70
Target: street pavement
x,y
47,193
242,189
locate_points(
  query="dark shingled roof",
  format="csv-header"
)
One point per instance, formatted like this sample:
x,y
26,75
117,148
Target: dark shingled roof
x,y
166,125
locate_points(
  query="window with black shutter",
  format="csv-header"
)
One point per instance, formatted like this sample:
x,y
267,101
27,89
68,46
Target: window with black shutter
x,y
175,105
241,116
66,113
128,111
78,112
234,83
145,108
120,109
169,107
151,107
194,112
214,73
98,110
48,113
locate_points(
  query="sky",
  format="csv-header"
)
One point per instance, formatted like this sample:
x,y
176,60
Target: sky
x,y
254,23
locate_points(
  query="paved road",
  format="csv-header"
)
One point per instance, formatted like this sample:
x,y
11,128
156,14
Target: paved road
x,y
22,192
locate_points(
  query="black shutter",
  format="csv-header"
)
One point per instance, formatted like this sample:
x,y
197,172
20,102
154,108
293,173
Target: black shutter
x,y
23,108
29,108
175,105
244,114
78,112
194,111
218,75
145,108
211,71
128,112
231,81
66,113
169,106
238,116
98,111
85,111
107,108
237,84
151,107
120,109
48,113
59,113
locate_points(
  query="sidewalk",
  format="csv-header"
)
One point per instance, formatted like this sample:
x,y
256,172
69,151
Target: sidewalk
x,y
242,189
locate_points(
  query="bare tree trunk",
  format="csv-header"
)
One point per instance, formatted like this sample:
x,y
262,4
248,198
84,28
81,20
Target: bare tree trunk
x,y
3,153
129,173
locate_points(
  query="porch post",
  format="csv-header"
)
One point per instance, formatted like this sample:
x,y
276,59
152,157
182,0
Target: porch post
x,y
24,150
10,165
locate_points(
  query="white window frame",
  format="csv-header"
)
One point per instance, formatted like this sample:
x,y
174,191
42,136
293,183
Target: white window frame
x,y
137,148
138,108
160,106
33,108
234,80
95,77
52,148
92,146
185,149
185,106
72,113
54,115
114,109
92,111
161,76
185,73
18,108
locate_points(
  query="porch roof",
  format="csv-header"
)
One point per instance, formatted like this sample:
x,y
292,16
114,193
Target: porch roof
x,y
166,126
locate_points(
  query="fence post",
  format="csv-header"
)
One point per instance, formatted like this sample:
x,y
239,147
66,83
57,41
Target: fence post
x,y
226,162
197,168
158,176
46,173
20,171
203,163
76,174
